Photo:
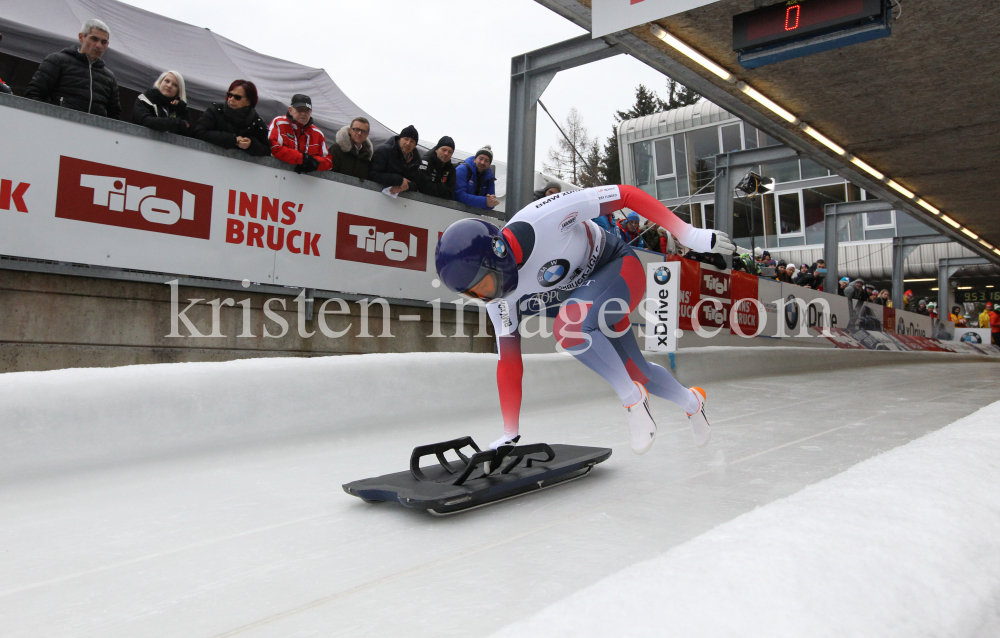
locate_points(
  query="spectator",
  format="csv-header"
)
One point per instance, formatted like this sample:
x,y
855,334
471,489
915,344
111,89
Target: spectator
x,y
3,87
664,240
841,285
164,107
984,318
791,272
882,299
296,140
436,173
606,222
908,301
395,163
650,237
474,184
628,228
995,326
932,310
922,308
351,154
767,261
550,188
956,317
234,123
856,290
76,77
803,277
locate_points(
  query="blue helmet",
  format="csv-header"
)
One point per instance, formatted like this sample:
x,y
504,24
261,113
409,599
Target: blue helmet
x,y
473,260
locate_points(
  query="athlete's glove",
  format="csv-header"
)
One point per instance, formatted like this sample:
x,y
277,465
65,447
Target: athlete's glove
x,y
721,243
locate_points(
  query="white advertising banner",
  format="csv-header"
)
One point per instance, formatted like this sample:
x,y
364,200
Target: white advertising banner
x,y
609,16
662,305
104,198
977,336
805,308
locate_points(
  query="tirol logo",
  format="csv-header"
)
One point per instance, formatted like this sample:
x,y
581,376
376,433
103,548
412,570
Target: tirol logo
x,y
552,272
791,312
102,194
661,275
382,243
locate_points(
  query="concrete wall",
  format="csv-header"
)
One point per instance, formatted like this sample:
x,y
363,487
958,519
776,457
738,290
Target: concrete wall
x,y
53,321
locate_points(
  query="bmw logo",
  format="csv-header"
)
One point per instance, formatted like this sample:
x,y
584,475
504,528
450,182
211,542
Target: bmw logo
x,y
499,248
971,337
791,312
661,275
552,272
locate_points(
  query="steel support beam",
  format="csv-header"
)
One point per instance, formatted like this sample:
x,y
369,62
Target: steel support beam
x,y
947,267
903,247
530,75
833,213
730,169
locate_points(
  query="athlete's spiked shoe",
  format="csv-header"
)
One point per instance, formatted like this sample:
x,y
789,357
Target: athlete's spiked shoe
x,y
640,423
700,429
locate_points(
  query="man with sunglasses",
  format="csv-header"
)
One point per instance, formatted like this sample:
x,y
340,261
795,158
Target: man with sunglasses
x,y
76,77
553,245
351,153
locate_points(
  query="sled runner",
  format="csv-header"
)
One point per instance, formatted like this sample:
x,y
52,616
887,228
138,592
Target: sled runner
x,y
481,478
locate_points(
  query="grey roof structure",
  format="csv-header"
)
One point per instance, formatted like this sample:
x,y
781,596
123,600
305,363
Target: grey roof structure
x,y
144,44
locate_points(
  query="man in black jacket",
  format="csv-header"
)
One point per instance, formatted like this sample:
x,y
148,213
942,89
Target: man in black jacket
x,y
76,78
436,174
395,163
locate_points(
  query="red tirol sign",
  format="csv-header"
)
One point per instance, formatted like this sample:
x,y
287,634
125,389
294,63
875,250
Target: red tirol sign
x,y
382,243
102,194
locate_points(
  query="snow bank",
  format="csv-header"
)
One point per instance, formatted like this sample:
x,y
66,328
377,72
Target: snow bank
x,y
904,544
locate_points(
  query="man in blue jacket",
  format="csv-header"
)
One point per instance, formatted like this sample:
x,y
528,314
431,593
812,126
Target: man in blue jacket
x,y
475,182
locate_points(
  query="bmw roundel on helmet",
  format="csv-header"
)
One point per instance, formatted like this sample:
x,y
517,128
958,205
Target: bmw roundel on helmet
x,y
473,260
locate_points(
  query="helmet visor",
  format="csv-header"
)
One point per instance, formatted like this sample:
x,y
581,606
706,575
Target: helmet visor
x,y
486,286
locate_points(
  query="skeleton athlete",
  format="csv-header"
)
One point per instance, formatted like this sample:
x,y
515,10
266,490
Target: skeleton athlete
x,y
552,244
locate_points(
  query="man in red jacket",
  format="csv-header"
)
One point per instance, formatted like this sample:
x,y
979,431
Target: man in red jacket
x,y
296,140
995,326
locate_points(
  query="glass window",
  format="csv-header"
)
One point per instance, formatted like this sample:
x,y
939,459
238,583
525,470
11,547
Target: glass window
x,y
782,171
730,138
684,212
881,218
811,169
696,219
666,188
813,212
749,136
642,161
748,224
664,158
703,146
681,160
884,233
853,193
767,140
791,241
709,215
769,215
790,214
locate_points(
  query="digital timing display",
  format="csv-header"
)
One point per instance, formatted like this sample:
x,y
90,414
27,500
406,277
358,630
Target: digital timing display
x,y
793,20
977,296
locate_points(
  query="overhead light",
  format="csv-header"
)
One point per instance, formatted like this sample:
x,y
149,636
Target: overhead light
x,y
970,233
928,279
996,250
658,31
988,246
866,168
964,288
928,207
899,188
933,289
766,101
949,220
824,140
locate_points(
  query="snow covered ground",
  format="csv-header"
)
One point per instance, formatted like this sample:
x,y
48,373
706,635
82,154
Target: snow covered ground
x,y
205,500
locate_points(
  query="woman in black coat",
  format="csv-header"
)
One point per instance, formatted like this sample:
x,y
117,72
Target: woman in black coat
x,y
235,123
164,107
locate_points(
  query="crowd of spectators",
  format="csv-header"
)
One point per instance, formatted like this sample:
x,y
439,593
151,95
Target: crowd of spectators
x,y
77,78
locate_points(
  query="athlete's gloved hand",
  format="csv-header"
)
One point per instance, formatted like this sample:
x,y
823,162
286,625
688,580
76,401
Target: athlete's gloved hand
x,y
504,440
721,243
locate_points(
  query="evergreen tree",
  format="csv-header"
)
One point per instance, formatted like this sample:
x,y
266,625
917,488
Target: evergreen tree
x,y
646,103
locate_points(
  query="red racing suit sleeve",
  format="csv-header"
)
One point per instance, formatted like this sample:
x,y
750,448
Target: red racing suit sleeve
x,y
510,370
649,207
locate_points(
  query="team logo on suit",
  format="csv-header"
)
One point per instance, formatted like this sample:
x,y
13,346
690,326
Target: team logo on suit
x,y
552,272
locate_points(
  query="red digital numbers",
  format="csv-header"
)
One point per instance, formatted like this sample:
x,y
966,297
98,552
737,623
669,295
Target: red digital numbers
x,y
789,24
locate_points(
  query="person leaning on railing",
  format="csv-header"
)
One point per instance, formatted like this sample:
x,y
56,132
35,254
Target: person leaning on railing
x,y
296,140
395,163
475,181
436,173
164,107
234,123
351,153
76,77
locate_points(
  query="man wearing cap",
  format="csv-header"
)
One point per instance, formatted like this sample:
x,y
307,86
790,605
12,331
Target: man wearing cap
x,y
908,301
628,228
436,174
475,181
351,152
296,140
842,285
395,163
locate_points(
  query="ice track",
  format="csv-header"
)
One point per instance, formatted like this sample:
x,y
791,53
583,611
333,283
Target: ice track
x,y
204,500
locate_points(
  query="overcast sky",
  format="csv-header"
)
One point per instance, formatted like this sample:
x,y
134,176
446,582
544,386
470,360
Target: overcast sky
x,y
441,65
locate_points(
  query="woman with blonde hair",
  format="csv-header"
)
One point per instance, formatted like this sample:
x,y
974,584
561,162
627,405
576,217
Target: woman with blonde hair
x,y
164,107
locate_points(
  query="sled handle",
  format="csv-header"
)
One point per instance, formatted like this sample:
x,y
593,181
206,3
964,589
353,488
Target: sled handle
x,y
438,450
